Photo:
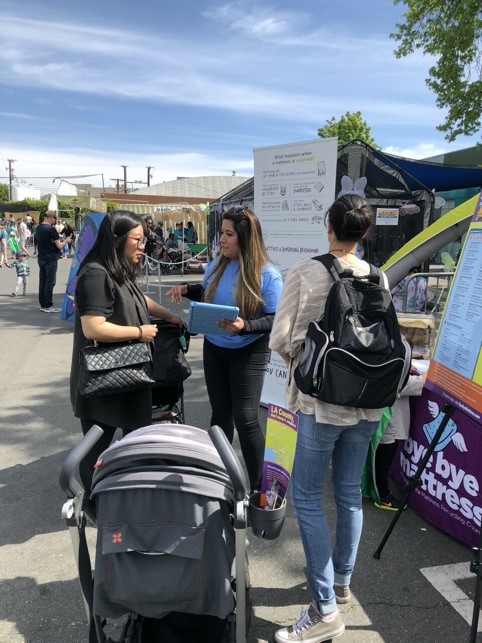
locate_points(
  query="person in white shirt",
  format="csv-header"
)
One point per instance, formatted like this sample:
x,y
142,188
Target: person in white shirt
x,y
23,235
327,434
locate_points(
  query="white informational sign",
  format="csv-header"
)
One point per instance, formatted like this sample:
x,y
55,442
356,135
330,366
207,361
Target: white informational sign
x,y
387,216
456,368
294,185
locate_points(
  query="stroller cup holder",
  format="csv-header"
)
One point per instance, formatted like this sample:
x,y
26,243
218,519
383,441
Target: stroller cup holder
x,y
266,523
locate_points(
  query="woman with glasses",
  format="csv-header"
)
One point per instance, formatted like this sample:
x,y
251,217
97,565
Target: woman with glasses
x,y
109,307
234,366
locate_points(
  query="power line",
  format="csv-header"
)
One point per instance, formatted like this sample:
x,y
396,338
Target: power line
x,y
75,176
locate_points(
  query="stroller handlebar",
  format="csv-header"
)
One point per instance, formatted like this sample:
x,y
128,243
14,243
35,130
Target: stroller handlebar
x,y
69,479
230,461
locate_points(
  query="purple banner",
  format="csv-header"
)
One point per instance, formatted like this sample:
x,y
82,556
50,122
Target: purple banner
x,y
449,496
88,233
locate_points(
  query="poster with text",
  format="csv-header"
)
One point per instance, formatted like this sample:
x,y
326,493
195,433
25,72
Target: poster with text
x,y
456,368
386,216
279,453
294,185
449,494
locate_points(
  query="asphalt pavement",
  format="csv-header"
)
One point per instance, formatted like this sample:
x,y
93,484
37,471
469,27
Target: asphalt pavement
x,y
40,600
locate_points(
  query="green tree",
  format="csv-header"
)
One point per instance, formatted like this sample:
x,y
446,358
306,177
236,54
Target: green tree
x,y
39,205
450,31
349,126
110,205
4,192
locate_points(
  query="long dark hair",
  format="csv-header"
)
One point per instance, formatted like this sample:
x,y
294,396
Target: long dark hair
x,y
351,217
109,245
252,257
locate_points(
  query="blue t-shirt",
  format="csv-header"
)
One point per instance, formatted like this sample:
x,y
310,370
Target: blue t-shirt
x,y
271,285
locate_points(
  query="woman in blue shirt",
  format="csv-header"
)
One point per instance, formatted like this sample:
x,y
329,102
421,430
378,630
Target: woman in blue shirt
x,y
234,366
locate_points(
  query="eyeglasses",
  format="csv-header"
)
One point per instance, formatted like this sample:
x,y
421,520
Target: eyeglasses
x,y
141,241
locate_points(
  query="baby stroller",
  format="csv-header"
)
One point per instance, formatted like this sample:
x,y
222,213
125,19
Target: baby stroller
x,y
173,259
169,502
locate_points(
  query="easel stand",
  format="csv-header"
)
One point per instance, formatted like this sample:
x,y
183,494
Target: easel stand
x,y
476,568
415,480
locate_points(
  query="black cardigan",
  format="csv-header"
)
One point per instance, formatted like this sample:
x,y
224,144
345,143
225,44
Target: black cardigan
x,y
128,410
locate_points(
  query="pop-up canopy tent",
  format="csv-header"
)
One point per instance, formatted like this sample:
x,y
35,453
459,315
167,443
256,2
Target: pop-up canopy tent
x,y
388,187
440,178
392,182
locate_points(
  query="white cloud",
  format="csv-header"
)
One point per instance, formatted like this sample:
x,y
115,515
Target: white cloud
x,y
106,165
260,22
256,77
17,115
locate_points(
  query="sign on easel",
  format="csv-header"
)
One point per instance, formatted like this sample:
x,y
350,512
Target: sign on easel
x,y
294,185
456,368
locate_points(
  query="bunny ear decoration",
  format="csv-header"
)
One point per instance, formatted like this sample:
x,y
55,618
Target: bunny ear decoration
x,y
409,208
348,187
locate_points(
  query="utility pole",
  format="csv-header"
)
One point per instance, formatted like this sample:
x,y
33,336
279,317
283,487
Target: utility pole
x,y
10,177
149,175
125,178
117,181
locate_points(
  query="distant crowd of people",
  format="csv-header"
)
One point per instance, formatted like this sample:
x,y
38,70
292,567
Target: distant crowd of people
x,y
174,242
54,238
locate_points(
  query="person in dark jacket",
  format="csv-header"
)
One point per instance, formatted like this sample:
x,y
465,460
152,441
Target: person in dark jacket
x,y
109,307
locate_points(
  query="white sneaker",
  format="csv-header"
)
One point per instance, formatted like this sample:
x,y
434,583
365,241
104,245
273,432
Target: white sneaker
x,y
50,310
311,628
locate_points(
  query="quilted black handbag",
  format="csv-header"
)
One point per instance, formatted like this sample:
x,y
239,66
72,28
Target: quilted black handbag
x,y
114,368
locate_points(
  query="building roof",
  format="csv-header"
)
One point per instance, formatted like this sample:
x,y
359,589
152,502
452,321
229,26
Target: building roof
x,y
469,156
204,188
135,197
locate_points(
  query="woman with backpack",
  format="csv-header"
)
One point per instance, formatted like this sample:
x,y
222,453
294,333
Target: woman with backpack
x,y
326,433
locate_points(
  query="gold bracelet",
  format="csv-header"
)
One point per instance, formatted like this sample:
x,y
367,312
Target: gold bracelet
x,y
140,333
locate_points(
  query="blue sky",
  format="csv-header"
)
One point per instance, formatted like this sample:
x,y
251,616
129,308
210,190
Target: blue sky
x,y
191,87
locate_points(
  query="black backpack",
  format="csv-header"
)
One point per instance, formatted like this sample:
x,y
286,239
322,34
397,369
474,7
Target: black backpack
x,y
354,356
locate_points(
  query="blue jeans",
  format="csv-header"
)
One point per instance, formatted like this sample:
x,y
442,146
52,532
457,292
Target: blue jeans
x,y
346,447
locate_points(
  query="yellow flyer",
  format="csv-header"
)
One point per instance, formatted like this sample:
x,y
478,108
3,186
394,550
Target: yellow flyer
x,y
279,453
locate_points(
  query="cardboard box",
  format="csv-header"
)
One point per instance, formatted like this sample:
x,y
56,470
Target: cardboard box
x,y
419,331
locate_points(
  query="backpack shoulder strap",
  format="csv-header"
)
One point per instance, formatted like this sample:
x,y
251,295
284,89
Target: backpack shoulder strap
x,y
332,264
376,276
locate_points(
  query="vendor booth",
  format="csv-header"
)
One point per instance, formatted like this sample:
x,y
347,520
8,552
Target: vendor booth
x,y
449,494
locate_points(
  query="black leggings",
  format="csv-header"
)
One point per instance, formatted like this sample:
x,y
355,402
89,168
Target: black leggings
x,y
383,460
234,379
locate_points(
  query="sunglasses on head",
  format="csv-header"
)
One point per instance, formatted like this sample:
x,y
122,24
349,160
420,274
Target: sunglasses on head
x,y
237,210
